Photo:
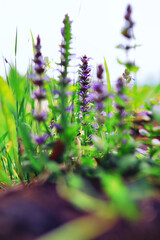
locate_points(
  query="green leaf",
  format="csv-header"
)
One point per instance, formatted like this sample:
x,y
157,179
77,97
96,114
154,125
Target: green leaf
x,y
129,65
119,194
108,77
8,110
86,228
4,178
33,43
17,83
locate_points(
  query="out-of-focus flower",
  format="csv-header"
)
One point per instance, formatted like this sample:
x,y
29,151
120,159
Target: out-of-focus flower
x,y
127,30
100,71
99,95
40,117
39,139
40,93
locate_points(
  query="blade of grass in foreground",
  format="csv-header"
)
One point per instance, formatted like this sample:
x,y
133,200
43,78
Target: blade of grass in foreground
x,y
115,188
8,109
86,228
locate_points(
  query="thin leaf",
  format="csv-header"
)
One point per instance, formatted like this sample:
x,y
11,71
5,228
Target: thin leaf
x,y
33,43
86,228
16,42
108,77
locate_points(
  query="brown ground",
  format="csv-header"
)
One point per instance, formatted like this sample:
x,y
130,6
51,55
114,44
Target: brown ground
x,y
28,213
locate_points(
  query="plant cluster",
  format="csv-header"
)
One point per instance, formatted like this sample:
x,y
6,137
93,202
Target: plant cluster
x,y
88,130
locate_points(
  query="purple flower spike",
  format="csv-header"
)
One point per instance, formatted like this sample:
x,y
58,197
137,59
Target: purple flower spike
x,y
127,31
100,94
84,84
120,85
40,93
38,59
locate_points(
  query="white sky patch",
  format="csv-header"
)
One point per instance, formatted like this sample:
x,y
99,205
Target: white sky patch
x,y
96,31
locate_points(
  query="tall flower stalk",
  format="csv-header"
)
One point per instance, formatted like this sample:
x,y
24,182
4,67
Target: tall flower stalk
x,y
123,118
84,82
99,95
40,93
127,33
65,59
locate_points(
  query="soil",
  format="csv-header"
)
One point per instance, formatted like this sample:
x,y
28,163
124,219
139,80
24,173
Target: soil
x,y
29,212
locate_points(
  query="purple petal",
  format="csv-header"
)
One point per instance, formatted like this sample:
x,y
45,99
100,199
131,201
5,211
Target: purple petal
x,y
41,117
39,139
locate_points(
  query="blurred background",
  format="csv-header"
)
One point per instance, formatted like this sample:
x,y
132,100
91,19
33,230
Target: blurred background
x,y
96,31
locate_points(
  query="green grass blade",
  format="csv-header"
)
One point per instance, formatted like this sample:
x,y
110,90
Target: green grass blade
x,y
9,111
16,42
33,43
108,76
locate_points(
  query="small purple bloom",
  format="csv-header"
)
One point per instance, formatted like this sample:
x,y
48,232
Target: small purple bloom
x,y
110,115
120,85
40,117
100,71
69,93
56,92
70,108
39,94
95,125
58,127
46,79
90,136
127,30
123,97
39,139
100,94
144,113
103,113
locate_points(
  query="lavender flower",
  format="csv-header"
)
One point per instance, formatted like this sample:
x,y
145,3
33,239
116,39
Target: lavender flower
x,y
63,78
100,94
40,93
122,113
84,84
100,71
127,32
